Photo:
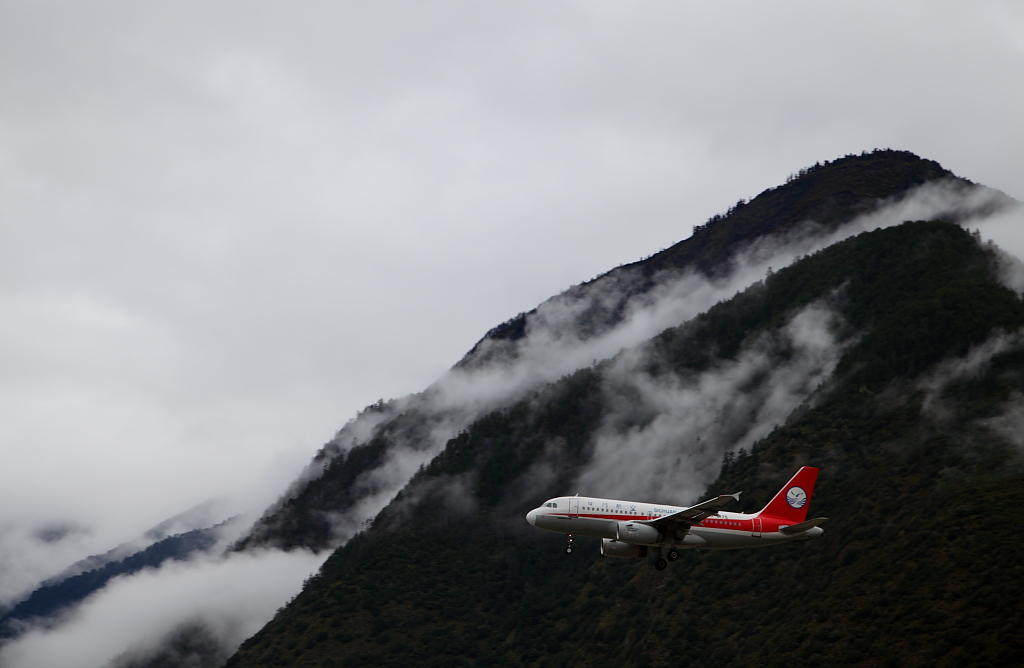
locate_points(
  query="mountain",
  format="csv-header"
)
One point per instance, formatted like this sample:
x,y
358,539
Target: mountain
x,y
376,454
826,195
893,360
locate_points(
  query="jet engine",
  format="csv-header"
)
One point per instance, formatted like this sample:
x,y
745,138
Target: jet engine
x,y
613,548
634,532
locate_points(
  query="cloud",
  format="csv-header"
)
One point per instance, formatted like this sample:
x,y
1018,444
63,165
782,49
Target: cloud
x,y
1003,230
31,555
970,366
665,437
26,559
1009,424
231,598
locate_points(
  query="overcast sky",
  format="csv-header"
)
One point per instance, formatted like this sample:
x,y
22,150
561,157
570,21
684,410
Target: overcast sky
x,y
228,226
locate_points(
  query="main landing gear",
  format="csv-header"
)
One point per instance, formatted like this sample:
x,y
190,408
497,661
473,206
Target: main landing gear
x,y
672,555
568,548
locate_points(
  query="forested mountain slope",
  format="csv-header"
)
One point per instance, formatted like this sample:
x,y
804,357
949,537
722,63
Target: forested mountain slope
x,y
892,360
373,456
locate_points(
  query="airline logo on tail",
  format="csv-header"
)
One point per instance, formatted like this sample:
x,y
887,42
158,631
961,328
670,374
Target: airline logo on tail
x,y
790,505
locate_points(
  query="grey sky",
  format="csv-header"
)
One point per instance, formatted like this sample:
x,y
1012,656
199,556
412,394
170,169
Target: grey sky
x,y
228,226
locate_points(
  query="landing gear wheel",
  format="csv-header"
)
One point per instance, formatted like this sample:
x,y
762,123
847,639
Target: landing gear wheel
x,y
673,555
661,564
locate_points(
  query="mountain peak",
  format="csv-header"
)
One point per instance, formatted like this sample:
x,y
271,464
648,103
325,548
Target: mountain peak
x,y
828,194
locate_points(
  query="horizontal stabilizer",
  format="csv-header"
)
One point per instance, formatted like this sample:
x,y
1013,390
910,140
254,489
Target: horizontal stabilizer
x,y
802,527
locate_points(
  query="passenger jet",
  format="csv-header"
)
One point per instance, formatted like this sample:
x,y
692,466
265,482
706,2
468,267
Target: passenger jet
x,y
630,530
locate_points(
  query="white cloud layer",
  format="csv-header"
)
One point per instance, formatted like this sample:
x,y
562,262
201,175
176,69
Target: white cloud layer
x,y
232,598
676,452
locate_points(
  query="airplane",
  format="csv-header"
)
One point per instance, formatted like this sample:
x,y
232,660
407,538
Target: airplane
x,y
630,530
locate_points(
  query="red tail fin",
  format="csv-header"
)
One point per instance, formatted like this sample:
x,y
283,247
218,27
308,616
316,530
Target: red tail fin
x,y
793,500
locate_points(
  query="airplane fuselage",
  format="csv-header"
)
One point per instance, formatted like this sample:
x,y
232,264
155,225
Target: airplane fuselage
x,y
637,523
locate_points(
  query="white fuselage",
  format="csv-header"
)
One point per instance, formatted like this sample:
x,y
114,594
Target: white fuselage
x,y
627,521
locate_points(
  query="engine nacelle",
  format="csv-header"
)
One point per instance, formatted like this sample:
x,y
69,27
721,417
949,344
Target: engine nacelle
x,y
634,532
614,548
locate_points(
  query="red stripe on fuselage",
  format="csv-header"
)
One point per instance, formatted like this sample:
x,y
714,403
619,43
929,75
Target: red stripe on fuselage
x,y
744,525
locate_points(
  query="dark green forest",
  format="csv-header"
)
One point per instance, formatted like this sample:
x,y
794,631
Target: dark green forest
x,y
918,565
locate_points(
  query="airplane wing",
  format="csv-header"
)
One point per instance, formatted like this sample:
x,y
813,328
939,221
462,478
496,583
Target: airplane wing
x,y
696,514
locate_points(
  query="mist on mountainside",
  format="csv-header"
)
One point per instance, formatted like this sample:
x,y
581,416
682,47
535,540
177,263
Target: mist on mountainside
x,y
56,597
144,616
663,436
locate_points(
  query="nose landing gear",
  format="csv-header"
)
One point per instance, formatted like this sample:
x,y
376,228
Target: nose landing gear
x,y
568,548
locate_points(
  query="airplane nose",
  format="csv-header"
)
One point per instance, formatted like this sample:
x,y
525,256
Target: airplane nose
x,y
531,517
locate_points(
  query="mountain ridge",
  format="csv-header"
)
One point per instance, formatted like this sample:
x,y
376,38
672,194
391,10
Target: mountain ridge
x,y
864,181
354,470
